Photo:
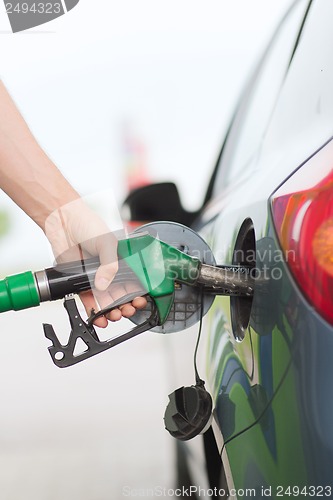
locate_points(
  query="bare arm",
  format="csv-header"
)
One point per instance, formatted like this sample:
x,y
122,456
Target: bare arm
x,y
36,185
28,176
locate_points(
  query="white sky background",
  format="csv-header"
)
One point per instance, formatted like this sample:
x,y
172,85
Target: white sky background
x,y
172,70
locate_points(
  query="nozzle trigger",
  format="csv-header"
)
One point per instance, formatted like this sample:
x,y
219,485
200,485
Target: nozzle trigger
x,y
64,355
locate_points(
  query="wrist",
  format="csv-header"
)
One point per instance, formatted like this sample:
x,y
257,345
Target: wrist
x,y
46,200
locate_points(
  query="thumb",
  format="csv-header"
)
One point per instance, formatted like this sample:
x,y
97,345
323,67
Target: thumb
x,y
109,262
105,275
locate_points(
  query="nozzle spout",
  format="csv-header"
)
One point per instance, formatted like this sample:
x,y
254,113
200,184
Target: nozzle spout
x,y
226,280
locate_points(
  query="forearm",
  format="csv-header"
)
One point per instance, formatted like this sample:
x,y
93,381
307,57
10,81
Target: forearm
x,y
27,175
32,180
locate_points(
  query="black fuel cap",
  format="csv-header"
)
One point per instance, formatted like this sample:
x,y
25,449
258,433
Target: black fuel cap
x,y
188,412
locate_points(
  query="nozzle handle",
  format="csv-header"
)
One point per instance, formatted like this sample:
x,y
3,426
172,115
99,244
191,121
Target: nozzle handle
x,y
65,355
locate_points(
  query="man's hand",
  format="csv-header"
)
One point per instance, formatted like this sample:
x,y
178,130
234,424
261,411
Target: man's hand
x,y
77,233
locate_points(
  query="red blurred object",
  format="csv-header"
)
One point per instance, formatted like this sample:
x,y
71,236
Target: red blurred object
x,y
135,161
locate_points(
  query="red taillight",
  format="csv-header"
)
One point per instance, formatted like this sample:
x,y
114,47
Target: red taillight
x,y
303,216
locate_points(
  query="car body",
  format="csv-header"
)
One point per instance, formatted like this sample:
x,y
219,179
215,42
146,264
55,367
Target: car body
x,y
268,359
271,380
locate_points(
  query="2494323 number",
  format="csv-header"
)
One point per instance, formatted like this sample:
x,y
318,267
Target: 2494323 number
x,y
306,491
35,8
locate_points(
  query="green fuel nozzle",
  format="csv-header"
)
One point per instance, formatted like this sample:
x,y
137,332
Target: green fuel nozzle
x,y
157,269
156,265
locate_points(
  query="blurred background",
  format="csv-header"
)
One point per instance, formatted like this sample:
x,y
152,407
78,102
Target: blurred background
x,y
118,94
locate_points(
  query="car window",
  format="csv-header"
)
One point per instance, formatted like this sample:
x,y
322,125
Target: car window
x,y
257,103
